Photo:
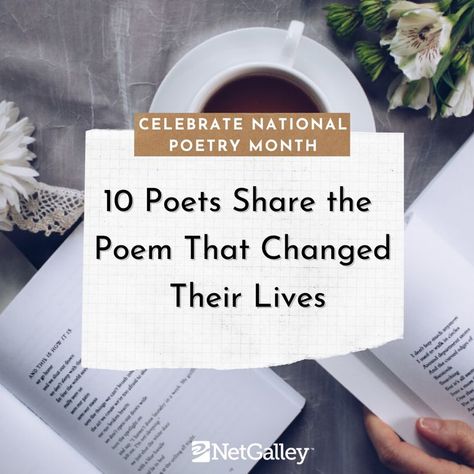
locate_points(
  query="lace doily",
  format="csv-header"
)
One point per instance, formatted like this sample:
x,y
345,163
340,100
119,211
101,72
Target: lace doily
x,y
48,209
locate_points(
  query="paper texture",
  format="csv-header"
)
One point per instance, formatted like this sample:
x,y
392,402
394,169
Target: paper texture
x,y
130,313
124,422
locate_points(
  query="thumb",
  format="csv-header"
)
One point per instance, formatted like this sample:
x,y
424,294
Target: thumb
x,y
451,435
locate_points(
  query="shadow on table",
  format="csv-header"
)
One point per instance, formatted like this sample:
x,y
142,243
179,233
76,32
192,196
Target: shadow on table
x,y
37,248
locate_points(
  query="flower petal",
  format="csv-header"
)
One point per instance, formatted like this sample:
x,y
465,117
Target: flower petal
x,y
422,35
461,100
17,177
397,9
419,92
18,170
395,92
426,62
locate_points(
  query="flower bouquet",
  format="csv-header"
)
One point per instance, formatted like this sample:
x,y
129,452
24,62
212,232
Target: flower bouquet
x,y
428,47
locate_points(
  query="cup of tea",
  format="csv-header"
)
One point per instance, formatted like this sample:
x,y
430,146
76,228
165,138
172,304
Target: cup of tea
x,y
263,87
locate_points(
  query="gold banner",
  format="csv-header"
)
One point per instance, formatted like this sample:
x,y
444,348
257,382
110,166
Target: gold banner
x,y
209,134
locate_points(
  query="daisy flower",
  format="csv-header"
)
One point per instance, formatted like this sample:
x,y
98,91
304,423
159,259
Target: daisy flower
x,y
17,177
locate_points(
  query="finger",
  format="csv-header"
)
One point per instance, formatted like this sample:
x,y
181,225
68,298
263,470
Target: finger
x,y
402,457
452,435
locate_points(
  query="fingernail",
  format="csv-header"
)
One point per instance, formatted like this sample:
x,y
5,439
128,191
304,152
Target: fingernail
x,y
430,424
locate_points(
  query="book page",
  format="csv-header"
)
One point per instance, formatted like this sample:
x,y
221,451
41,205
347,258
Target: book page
x,y
382,392
135,421
447,201
18,457
443,206
435,357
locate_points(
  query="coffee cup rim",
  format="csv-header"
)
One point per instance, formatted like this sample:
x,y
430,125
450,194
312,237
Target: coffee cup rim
x,y
241,70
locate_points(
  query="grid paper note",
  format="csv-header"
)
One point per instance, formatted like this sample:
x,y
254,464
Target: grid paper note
x,y
130,314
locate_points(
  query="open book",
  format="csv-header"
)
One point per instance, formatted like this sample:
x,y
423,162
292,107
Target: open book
x,y
139,421
430,372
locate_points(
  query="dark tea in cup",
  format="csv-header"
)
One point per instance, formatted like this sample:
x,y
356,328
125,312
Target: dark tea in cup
x,y
261,93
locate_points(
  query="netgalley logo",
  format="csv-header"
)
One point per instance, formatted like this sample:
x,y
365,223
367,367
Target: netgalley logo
x,y
207,451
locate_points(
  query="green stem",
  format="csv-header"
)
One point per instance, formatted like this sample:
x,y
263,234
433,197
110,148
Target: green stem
x,y
460,27
454,17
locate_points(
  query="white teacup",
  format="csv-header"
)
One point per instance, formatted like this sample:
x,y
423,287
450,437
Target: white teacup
x,y
282,69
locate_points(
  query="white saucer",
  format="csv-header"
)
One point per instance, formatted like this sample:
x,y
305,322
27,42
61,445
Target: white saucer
x,y
198,66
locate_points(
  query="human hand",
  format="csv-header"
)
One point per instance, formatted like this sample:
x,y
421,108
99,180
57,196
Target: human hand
x,y
453,436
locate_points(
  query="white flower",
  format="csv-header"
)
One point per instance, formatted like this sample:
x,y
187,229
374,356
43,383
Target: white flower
x,y
421,37
396,9
461,100
17,177
412,94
